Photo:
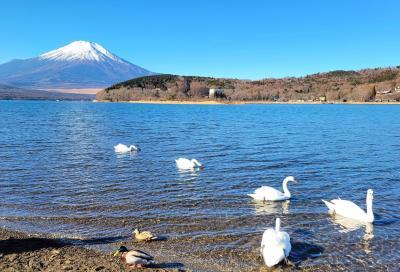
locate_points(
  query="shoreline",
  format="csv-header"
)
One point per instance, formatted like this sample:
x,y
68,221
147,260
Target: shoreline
x,y
214,102
20,251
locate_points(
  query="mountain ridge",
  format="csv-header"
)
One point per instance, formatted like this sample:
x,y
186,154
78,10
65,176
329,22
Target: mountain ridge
x,y
8,92
79,64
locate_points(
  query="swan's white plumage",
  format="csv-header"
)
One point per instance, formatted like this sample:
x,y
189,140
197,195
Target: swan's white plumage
x,y
330,206
186,164
266,193
121,148
349,209
275,245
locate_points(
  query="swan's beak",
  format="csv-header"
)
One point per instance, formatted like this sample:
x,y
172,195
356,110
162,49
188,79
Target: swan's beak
x,y
202,167
295,181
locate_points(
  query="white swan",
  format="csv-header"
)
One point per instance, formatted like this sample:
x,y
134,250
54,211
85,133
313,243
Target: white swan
x,y
349,209
266,193
121,148
186,164
275,245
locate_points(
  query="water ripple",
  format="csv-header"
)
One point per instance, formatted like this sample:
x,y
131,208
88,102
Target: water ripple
x,y
59,174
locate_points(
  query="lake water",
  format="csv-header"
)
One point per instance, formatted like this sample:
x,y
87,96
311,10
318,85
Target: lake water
x,y
59,175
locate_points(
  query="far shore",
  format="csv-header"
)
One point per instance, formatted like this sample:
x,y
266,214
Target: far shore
x,y
220,102
75,91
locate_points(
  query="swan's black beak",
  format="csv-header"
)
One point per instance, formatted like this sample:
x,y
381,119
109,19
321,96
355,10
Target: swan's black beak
x,y
295,181
202,167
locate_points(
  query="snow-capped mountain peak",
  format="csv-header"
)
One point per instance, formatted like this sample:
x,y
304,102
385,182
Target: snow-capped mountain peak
x,y
80,50
77,65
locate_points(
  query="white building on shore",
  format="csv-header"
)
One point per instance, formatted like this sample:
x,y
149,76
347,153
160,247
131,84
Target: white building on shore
x,y
212,93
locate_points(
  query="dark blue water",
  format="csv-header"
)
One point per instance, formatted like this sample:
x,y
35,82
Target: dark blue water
x,y
59,174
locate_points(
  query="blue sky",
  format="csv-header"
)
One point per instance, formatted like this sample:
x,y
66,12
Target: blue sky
x,y
242,39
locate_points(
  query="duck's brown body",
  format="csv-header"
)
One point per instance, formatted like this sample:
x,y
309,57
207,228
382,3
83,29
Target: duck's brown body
x,y
144,236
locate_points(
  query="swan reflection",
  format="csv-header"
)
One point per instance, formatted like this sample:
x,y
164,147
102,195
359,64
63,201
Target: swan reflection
x,y
131,155
349,225
267,208
188,174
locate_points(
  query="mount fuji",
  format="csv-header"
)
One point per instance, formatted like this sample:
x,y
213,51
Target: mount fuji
x,y
78,65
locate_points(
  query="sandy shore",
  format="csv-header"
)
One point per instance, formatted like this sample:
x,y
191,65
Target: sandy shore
x,y
170,102
23,252
215,102
75,91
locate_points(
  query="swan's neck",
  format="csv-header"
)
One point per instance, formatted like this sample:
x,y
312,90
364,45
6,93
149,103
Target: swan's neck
x,y
285,188
278,224
370,213
195,163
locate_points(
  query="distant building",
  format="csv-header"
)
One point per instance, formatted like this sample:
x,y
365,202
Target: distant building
x,y
215,93
384,92
322,99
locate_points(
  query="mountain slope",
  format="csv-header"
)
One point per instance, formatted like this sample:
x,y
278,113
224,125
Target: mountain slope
x,y
80,64
11,92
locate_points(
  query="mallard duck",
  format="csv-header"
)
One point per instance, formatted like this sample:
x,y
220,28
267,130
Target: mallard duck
x,y
266,193
186,164
134,258
121,148
144,235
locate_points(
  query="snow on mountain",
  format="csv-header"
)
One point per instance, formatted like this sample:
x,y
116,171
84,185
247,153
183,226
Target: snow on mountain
x,y
80,64
80,50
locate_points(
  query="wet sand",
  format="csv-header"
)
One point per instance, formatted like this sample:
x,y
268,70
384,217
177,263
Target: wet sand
x,y
23,252
185,248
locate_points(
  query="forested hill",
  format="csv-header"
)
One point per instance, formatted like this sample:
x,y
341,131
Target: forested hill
x,y
380,84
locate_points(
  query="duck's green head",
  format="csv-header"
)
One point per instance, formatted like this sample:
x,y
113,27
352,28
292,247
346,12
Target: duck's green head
x,y
120,249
